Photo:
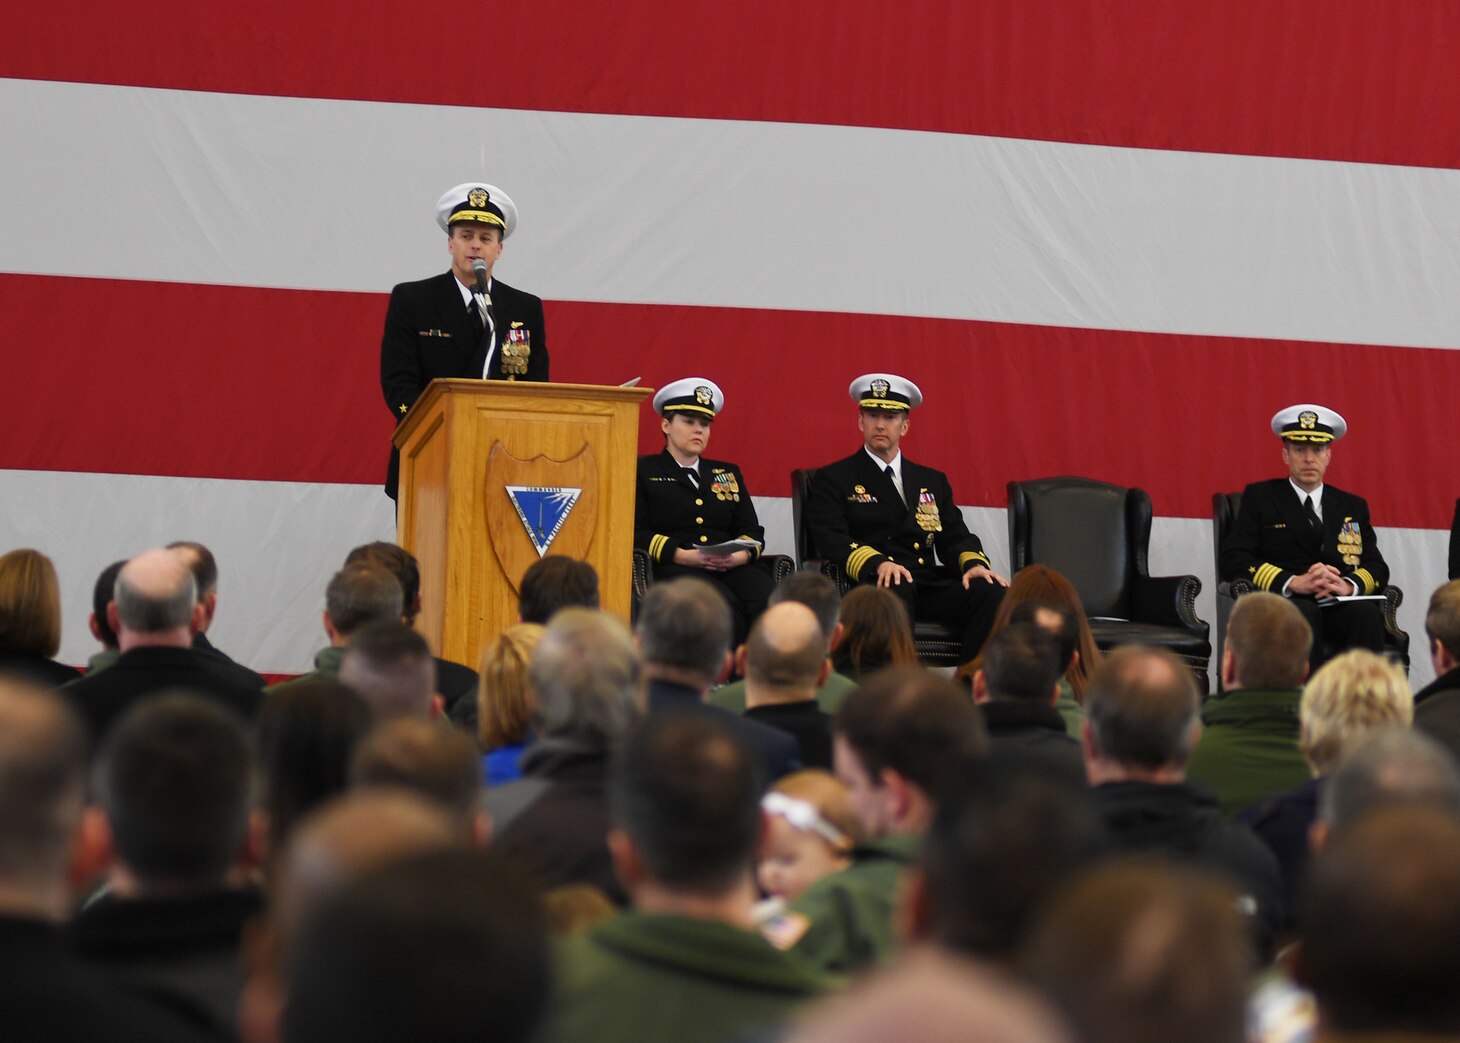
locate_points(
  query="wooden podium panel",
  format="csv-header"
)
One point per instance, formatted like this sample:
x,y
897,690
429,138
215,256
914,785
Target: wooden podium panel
x,y
481,462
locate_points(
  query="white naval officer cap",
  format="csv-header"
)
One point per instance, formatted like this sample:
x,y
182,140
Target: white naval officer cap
x,y
1308,422
885,391
697,396
475,201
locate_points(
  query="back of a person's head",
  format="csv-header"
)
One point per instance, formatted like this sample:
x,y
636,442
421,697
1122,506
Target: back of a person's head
x,y
1351,695
1442,619
1142,706
1056,620
350,835
155,593
876,631
686,791
786,648
504,710
556,582
30,603
998,850
200,562
1141,951
586,677
426,757
932,996
391,667
447,946
1022,663
917,724
174,777
399,562
1379,921
1042,583
817,592
1389,767
1269,640
362,593
307,735
102,595
685,625
42,785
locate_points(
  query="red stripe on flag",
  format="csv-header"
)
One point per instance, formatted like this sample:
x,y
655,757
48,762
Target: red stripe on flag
x,y
230,382
1372,82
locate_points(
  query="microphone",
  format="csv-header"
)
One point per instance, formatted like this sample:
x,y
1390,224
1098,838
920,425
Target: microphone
x,y
479,269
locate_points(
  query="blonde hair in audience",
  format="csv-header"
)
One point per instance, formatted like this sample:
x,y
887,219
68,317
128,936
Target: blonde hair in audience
x,y
30,603
504,710
829,796
1350,696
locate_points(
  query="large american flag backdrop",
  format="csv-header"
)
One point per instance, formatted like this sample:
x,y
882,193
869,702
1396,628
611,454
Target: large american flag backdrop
x,y
1107,239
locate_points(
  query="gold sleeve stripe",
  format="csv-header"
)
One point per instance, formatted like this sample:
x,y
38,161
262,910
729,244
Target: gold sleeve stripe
x,y
656,546
1367,579
858,558
754,551
972,557
1265,575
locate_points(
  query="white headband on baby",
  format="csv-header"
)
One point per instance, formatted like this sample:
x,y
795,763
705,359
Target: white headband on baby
x,y
803,816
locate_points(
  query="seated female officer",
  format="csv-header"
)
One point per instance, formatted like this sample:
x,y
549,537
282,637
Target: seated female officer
x,y
688,507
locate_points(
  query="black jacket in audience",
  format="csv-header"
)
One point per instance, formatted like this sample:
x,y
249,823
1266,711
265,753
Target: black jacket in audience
x,y
1026,732
775,749
183,953
804,721
202,644
1282,822
36,669
101,698
1437,710
553,821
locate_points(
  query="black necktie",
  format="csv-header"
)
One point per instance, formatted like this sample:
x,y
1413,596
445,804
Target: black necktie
x,y
892,477
692,475
1313,519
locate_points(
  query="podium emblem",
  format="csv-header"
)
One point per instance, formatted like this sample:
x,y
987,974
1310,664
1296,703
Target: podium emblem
x,y
539,506
543,511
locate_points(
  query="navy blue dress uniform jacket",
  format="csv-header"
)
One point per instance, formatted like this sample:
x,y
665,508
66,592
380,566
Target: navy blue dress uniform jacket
x,y
1271,540
429,333
858,521
670,512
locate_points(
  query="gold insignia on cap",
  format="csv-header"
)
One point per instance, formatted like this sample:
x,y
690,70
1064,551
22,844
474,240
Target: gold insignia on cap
x,y
1308,420
704,396
478,197
880,388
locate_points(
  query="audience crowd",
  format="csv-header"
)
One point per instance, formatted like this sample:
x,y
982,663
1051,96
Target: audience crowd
x,y
599,832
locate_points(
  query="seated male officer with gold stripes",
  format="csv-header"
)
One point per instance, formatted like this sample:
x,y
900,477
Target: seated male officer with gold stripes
x,y
1310,542
689,507
889,521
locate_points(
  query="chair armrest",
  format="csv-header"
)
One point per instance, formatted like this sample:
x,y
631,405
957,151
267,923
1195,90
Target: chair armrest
x,y
643,574
1234,588
1168,601
832,571
1393,598
781,565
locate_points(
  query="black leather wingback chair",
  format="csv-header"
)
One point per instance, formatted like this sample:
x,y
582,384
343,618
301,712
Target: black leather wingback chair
x,y
1224,512
1098,536
936,644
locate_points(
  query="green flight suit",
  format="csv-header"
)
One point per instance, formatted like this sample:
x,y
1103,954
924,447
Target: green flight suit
x,y
326,668
829,696
844,921
1072,712
641,978
1249,747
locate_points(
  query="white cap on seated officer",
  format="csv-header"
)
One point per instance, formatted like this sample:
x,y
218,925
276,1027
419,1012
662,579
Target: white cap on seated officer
x,y
692,396
885,391
1308,422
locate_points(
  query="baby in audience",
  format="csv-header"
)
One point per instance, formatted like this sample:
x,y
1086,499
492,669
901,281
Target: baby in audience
x,y
810,832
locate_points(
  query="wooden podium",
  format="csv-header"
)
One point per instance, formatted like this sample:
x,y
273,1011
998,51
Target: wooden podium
x,y
494,474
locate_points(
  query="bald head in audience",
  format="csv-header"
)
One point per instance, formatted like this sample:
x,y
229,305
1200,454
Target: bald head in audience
x,y
156,602
390,666
784,660
1391,767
